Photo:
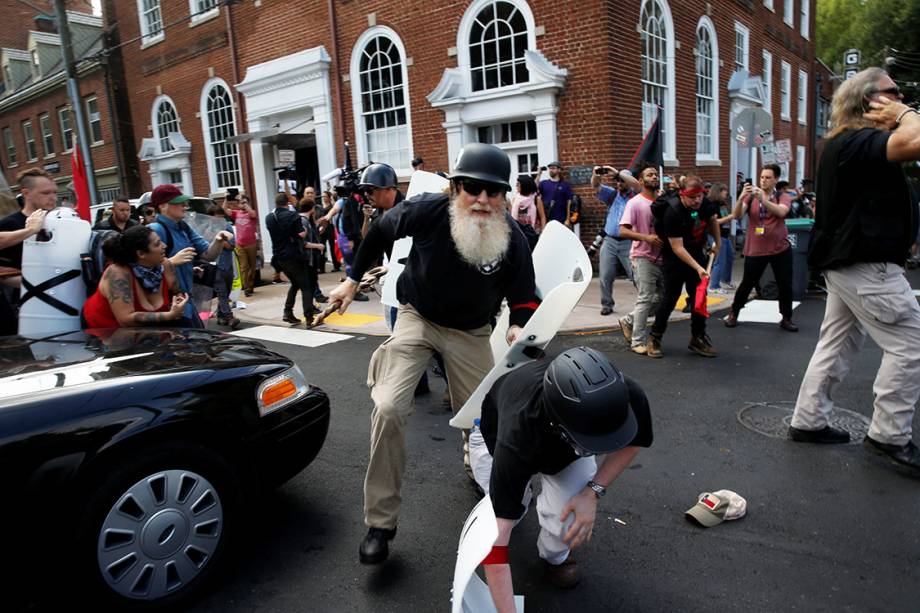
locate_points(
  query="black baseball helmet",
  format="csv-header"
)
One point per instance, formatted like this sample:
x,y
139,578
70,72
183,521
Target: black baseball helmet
x,y
588,401
483,162
378,175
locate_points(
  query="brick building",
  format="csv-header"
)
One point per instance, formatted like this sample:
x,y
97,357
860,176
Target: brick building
x,y
36,119
217,91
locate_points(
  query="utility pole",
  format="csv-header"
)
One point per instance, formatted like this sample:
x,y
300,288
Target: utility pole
x,y
73,90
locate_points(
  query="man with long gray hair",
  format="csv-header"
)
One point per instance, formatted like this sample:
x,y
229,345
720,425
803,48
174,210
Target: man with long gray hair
x,y
862,235
467,255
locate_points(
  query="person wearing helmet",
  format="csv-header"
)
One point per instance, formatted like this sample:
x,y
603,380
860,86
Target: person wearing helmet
x,y
550,418
378,183
466,258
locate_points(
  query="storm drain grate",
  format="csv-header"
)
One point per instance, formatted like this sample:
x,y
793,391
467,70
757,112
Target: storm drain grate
x,y
772,419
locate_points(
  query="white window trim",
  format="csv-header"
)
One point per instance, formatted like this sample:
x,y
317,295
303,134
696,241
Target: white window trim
x,y
89,122
785,81
209,153
206,16
67,146
804,18
789,12
768,81
768,4
802,99
10,145
355,74
154,125
669,149
148,38
41,130
463,40
26,140
742,29
706,22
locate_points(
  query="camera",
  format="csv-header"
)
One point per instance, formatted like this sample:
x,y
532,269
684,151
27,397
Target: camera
x,y
601,170
593,247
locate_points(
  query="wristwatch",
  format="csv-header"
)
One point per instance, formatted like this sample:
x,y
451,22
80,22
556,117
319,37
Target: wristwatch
x,y
599,490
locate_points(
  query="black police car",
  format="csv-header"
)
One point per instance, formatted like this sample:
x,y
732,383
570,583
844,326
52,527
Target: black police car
x,y
127,456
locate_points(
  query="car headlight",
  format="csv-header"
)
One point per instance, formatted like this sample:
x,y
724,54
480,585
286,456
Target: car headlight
x,y
281,390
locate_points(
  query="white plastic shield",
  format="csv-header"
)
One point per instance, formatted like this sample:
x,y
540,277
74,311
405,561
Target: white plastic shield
x,y
421,182
563,272
470,594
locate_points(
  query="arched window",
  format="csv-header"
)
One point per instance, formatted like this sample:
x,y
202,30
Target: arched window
x,y
497,42
707,91
219,125
166,121
381,105
657,71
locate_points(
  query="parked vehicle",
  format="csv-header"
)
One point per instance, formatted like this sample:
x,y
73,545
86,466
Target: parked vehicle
x,y
127,457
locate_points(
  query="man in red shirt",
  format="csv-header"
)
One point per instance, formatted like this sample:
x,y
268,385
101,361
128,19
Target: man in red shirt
x,y
766,242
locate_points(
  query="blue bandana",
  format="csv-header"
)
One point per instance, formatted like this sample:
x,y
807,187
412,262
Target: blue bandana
x,y
150,278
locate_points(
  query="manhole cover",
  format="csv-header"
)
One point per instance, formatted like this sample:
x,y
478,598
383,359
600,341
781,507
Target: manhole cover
x,y
772,419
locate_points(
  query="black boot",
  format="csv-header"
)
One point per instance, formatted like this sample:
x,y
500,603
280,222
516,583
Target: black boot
x,y
375,548
289,317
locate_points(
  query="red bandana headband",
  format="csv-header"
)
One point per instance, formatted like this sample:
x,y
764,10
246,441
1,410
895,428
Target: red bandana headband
x,y
693,192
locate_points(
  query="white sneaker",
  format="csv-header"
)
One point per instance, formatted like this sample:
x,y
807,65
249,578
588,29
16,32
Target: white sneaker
x,y
727,286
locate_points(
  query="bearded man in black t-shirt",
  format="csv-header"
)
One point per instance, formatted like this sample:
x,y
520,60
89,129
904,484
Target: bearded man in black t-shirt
x,y
551,419
687,219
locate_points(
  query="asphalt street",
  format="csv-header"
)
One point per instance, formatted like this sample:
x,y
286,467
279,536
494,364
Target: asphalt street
x,y
827,529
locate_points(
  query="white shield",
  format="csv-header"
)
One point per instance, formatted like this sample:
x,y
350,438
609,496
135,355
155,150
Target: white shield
x,y
470,593
421,182
563,272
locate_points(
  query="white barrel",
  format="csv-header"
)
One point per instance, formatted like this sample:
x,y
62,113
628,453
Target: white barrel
x,y
53,291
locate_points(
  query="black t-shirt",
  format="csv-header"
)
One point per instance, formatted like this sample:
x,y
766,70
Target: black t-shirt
x,y
444,288
515,426
284,227
109,224
688,224
12,255
858,220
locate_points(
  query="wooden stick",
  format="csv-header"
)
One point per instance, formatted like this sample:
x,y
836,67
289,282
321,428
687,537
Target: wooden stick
x,y
712,257
368,283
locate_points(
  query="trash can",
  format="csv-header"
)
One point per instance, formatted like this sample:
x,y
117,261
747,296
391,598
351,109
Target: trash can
x,y
799,238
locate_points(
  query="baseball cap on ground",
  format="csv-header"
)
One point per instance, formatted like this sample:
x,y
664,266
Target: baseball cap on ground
x,y
715,507
167,193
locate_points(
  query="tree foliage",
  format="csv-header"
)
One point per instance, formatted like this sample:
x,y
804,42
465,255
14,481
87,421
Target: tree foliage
x,y
880,29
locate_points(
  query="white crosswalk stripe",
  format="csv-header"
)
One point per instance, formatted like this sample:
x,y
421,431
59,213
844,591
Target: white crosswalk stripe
x,y
291,336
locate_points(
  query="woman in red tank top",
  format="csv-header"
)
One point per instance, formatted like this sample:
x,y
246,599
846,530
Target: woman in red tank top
x,y
135,288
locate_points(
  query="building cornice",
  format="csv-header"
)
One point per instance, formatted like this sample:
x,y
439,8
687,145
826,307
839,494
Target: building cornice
x,y
43,86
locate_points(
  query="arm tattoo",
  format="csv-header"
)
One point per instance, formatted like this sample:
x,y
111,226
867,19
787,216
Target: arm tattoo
x,y
159,317
120,288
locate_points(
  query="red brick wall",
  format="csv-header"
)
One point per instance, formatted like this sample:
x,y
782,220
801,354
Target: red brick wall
x,y
18,19
599,116
104,155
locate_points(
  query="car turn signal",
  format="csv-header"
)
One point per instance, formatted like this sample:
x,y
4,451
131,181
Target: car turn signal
x,y
281,390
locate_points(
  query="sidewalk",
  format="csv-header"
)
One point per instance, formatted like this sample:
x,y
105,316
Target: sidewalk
x,y
266,306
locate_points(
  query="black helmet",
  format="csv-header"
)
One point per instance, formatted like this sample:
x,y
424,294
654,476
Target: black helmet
x,y
587,399
378,175
483,162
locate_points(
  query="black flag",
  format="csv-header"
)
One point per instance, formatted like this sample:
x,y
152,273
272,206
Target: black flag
x,y
649,149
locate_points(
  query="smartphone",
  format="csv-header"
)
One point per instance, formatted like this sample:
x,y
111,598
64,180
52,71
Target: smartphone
x,y
749,181
232,193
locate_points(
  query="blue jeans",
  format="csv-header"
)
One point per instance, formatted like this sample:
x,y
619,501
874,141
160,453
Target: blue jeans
x,y
613,251
722,267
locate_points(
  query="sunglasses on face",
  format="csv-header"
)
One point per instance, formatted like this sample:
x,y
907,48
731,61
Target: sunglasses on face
x,y
474,188
891,91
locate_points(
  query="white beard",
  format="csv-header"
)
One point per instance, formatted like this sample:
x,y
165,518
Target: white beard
x,y
479,241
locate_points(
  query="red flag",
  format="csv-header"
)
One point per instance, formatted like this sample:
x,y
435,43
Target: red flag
x,y
699,305
80,184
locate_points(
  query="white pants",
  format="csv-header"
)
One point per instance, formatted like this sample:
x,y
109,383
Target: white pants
x,y
876,299
557,490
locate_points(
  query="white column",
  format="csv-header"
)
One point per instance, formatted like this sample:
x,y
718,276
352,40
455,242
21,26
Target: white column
x,y
187,186
325,141
454,129
547,143
262,160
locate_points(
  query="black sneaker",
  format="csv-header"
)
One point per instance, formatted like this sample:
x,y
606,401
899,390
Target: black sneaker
x,y
828,435
290,318
908,455
361,297
375,547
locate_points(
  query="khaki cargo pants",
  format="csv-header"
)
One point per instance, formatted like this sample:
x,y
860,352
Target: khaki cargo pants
x,y
394,371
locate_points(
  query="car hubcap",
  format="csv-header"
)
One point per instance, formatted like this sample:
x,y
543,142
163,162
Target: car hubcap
x,y
160,534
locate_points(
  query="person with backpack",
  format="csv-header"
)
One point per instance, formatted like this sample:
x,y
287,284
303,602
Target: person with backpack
x,y
180,239
682,220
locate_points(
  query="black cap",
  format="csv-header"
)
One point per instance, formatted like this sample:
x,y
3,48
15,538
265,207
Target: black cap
x,y
587,398
378,175
483,162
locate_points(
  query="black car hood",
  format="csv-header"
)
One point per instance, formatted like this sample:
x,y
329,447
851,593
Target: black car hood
x,y
29,366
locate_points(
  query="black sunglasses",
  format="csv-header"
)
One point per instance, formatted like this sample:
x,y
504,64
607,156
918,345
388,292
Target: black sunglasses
x,y
474,187
893,91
